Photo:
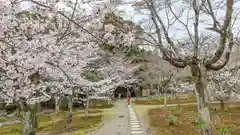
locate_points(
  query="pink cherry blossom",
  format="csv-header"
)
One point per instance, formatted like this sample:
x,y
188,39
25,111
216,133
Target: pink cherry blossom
x,y
42,48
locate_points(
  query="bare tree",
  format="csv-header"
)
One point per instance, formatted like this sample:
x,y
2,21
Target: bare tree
x,y
188,52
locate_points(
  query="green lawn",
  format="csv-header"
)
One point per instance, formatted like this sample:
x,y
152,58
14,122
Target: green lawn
x,y
56,123
160,101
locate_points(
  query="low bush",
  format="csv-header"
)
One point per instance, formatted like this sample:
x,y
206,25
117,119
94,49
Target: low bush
x,y
101,106
11,108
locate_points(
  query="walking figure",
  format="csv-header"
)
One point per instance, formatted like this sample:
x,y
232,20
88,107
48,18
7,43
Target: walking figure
x,y
128,97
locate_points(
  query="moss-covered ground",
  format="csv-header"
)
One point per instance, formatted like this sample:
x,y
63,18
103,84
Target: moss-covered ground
x,y
56,123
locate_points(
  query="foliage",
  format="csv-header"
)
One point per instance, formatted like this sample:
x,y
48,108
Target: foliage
x,y
200,124
107,47
29,15
134,51
136,54
172,119
11,108
221,131
225,131
92,75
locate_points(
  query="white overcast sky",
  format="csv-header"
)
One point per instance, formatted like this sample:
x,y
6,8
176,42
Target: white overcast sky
x,y
177,30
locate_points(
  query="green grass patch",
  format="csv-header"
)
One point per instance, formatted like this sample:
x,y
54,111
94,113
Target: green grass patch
x,y
161,102
77,112
101,106
14,129
79,124
56,123
3,120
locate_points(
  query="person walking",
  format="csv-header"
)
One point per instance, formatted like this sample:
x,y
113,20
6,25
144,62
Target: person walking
x,y
128,97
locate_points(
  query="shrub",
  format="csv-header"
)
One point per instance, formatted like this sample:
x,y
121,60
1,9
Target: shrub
x,y
225,131
172,119
11,108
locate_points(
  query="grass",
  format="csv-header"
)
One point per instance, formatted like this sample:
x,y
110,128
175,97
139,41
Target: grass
x,y
3,120
78,112
78,124
160,101
101,106
56,123
187,117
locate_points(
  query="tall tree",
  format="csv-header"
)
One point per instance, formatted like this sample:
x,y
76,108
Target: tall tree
x,y
188,16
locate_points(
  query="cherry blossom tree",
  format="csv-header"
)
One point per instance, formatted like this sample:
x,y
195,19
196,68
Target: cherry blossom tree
x,y
47,47
223,85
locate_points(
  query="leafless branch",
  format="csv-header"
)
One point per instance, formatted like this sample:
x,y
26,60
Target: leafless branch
x,y
226,34
68,25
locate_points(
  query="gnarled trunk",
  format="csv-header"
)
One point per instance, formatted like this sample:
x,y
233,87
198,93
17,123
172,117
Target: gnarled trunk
x,y
204,114
199,78
29,119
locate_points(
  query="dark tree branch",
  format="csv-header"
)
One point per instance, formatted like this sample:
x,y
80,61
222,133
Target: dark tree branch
x,y
223,35
71,20
54,65
167,55
226,57
68,25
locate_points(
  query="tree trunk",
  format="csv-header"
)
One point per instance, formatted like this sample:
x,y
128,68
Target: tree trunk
x,y
57,101
87,107
29,119
38,105
171,95
165,105
207,95
204,115
158,94
222,104
70,102
203,109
